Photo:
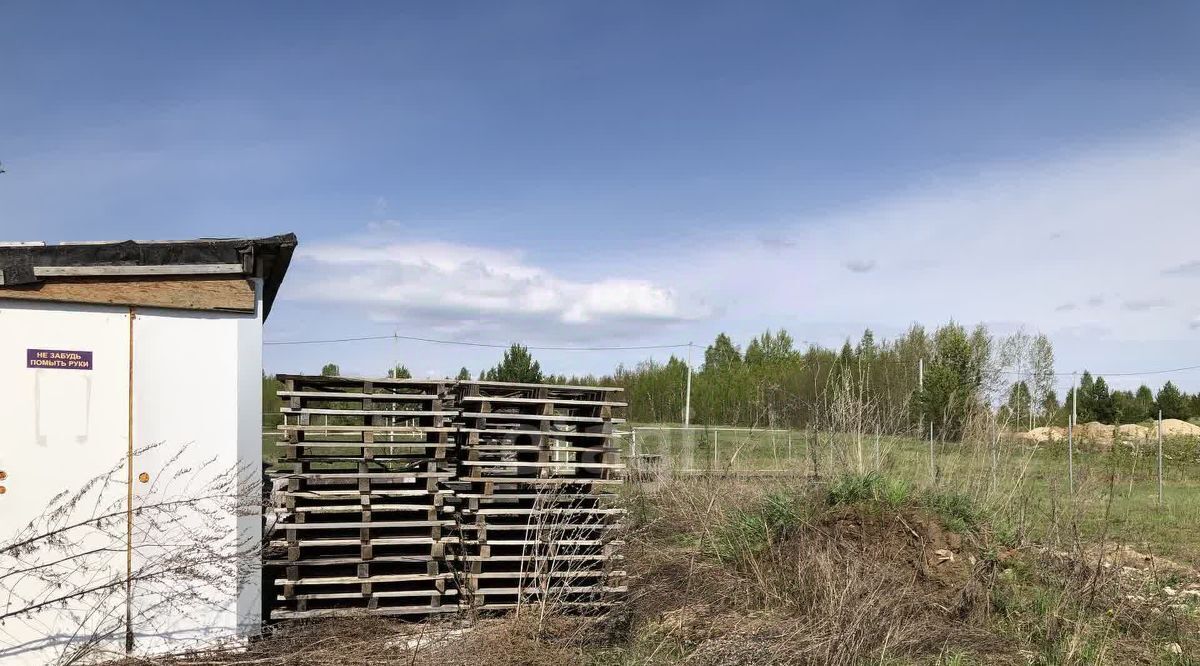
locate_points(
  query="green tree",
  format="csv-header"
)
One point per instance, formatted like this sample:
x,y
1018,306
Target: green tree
x,y
846,356
464,374
769,348
1125,407
1101,402
722,354
953,380
867,350
1020,403
1050,407
399,372
1144,404
516,366
331,370
1172,402
1193,405
1085,408
271,401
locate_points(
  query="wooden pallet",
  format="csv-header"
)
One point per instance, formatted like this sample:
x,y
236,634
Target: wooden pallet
x,y
418,497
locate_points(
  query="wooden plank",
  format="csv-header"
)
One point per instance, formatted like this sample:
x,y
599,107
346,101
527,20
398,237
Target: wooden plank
x,y
128,271
543,482
535,559
540,417
353,580
565,402
504,448
223,294
558,497
355,494
394,430
345,380
562,434
384,559
483,383
546,511
365,412
551,465
377,594
373,524
355,508
360,612
408,476
503,575
413,397
377,541
527,542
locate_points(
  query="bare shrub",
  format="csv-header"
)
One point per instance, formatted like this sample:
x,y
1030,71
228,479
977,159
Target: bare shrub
x,y
67,569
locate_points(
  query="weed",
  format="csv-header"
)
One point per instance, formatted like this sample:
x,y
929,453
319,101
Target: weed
x,y
957,511
746,532
851,489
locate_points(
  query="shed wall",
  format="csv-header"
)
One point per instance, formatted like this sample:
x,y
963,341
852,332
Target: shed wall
x,y
196,409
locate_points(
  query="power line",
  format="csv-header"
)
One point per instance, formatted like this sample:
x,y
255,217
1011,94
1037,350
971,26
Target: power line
x,y
463,343
1104,374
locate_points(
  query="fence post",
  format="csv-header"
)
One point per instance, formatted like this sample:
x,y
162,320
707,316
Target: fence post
x,y
716,464
877,463
1071,453
1160,459
932,467
1071,432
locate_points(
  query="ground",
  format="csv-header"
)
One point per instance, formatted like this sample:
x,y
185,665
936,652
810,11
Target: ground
x,y
837,555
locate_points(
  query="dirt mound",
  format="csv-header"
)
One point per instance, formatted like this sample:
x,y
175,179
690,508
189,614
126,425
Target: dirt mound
x,y
1045,434
1177,428
1130,431
919,544
849,582
1096,433
1101,434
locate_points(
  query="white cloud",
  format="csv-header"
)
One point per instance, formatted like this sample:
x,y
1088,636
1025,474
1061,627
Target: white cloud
x,y
453,286
1013,243
860,265
1083,247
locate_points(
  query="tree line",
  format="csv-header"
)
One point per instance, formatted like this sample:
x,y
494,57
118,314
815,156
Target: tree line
x,y
1096,402
941,381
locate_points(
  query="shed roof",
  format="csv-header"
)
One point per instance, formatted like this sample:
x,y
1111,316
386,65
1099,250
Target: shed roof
x,y
266,258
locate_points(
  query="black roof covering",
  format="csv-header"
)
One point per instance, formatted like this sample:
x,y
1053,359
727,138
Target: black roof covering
x,y
267,258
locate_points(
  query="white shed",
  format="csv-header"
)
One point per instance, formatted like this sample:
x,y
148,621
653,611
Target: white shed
x,y
130,443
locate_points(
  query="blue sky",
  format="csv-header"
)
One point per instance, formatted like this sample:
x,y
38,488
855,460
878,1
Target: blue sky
x,y
635,173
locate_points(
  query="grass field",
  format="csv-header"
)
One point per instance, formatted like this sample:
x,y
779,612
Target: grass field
x,y
753,547
1030,485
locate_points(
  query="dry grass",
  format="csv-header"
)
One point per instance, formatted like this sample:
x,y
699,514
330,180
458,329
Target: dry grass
x,y
862,570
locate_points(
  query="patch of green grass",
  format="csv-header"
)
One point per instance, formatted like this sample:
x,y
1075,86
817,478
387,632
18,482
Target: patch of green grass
x,y
851,489
871,488
958,512
746,532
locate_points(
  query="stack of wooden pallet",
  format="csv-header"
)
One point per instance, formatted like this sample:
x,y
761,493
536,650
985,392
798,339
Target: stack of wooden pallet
x,y
537,466
364,521
415,497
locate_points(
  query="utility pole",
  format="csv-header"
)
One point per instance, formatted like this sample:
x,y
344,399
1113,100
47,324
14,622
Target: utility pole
x,y
687,401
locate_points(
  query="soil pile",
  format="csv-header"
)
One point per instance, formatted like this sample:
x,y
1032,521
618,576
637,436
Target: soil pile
x,y
1177,428
1045,434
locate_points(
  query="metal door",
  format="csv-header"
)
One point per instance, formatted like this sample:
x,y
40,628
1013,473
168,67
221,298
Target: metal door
x,y
64,422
